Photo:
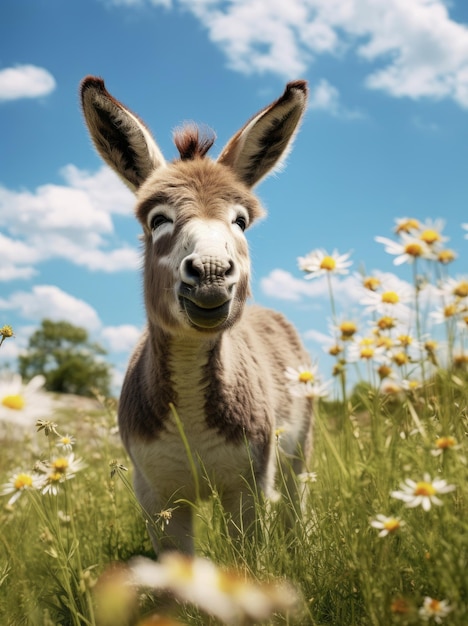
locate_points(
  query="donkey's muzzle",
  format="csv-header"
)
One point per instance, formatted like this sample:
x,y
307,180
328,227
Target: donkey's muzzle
x,y
206,289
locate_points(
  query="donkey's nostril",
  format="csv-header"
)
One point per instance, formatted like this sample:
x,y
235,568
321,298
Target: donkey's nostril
x,y
192,270
230,269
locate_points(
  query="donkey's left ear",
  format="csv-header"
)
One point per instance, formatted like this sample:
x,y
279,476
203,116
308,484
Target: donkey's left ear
x,y
120,137
266,139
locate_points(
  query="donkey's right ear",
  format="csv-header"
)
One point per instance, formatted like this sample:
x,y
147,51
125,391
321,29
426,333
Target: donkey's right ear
x,y
122,140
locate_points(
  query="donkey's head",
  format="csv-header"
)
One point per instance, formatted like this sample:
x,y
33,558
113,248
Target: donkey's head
x,y
193,211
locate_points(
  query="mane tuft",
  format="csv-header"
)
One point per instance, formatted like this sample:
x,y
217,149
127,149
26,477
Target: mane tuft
x,y
192,141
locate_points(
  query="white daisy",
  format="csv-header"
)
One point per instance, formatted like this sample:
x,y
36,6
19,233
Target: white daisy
x,y
20,403
422,493
408,250
435,609
59,470
390,299
303,382
19,483
230,597
386,525
318,262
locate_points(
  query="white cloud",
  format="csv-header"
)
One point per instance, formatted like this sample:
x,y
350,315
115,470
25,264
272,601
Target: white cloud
x,y
71,221
121,338
48,301
418,49
25,81
326,97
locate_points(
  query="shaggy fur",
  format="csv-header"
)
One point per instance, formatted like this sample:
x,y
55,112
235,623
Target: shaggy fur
x,y
218,361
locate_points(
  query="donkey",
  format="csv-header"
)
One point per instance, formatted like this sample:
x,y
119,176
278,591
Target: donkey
x,y
205,390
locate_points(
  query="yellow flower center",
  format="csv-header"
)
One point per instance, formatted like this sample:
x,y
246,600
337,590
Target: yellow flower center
x,y
461,290
414,249
391,525
430,346
406,226
434,605
371,283
367,353
384,342
54,477
424,489
384,371
390,297
405,340
21,481
400,358
15,401
429,236
450,310
65,441
445,442
386,322
446,256
328,263
306,377
60,465
335,350
347,329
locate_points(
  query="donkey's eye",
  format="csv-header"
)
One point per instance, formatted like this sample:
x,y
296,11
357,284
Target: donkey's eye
x,y
241,222
158,220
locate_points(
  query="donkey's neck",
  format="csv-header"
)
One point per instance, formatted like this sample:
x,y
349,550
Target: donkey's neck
x,y
186,361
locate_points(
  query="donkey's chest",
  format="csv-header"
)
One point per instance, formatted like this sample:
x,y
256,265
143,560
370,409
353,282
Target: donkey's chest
x,y
175,461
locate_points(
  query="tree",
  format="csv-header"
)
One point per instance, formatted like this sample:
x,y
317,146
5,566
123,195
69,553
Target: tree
x,y
70,362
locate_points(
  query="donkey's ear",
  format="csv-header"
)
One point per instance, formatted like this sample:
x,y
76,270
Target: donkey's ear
x,y
266,139
120,137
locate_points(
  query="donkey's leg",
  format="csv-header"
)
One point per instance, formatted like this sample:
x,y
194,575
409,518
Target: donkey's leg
x,y
173,531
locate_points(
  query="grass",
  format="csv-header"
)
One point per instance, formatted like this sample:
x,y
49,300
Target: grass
x,y
53,549
356,554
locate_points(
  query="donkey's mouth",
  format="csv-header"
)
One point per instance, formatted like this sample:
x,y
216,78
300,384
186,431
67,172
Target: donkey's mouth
x,y
205,317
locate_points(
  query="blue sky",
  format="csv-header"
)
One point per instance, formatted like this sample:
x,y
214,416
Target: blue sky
x,y
385,136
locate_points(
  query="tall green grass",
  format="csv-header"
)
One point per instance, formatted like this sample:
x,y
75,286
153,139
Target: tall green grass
x,y
53,549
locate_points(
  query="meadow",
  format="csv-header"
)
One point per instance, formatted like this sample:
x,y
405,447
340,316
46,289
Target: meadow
x,y
378,537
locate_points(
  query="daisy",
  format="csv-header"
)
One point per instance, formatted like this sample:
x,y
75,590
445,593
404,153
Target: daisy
x,y
446,256
455,288
445,443
371,282
390,299
447,312
318,263
422,493
19,483
22,403
303,382
408,250
307,477
386,525
59,470
406,225
465,226
66,443
223,594
431,232
366,349
436,609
